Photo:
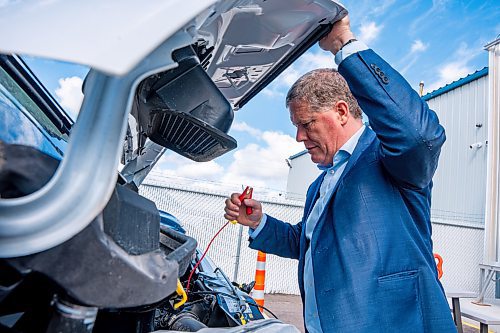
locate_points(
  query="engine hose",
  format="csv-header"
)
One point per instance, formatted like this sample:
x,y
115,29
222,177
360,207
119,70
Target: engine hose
x,y
185,322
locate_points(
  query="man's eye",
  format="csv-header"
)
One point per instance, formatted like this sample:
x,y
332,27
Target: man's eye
x,y
308,124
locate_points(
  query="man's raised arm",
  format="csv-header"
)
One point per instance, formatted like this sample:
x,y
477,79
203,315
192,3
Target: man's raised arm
x,y
410,134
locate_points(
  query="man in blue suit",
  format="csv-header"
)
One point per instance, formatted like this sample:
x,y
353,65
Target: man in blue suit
x,y
364,244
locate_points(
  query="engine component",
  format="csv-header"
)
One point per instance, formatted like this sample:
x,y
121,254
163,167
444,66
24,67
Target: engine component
x,y
69,317
185,322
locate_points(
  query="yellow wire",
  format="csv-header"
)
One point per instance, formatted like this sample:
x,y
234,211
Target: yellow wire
x,y
180,291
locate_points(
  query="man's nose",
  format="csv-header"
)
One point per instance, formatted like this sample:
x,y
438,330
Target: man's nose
x,y
301,134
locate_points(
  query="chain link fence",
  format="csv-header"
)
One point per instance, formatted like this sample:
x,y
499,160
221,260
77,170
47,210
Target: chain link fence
x,y
201,212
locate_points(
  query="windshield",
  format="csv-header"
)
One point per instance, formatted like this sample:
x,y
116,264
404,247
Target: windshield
x,y
23,122
62,80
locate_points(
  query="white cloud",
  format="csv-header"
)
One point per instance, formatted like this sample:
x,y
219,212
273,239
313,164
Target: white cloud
x,y
458,67
261,166
70,94
450,72
411,57
382,7
241,126
271,92
173,164
418,46
363,10
369,31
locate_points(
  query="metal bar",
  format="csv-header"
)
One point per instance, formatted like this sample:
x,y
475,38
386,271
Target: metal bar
x,y
238,253
457,314
485,284
497,286
483,328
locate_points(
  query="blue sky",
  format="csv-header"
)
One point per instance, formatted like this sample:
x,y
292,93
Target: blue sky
x,y
432,41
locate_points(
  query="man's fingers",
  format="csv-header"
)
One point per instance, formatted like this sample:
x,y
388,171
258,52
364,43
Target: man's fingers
x,y
236,210
232,208
230,217
252,203
235,198
232,211
338,35
233,203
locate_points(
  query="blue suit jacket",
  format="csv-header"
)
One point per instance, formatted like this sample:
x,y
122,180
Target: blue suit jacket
x,y
374,269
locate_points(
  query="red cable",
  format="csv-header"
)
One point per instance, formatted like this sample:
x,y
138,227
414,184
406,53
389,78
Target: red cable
x,y
203,256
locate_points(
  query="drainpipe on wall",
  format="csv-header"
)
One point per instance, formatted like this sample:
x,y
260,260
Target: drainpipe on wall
x,y
492,212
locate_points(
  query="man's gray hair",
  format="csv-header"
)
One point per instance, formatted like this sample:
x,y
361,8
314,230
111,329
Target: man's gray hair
x,y
322,88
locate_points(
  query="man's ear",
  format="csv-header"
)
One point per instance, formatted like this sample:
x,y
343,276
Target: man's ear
x,y
342,110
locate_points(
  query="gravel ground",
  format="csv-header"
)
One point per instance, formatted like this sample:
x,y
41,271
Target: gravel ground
x,y
288,309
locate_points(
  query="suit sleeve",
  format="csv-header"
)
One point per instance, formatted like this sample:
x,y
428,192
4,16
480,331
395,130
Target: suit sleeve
x,y
409,132
278,237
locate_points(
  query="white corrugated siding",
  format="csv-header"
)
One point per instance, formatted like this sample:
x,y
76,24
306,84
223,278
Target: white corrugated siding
x,y
459,184
301,174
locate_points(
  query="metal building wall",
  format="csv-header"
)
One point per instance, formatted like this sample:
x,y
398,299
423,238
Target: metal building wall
x,y
459,184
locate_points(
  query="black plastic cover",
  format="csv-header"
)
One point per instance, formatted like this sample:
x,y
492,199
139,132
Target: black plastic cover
x,y
185,111
132,221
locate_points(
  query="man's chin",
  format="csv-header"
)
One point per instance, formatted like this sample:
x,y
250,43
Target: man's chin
x,y
316,159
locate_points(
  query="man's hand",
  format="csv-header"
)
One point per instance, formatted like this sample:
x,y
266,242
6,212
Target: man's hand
x,y
236,210
339,35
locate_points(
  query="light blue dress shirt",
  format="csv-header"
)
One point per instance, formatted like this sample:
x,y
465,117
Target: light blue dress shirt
x,y
332,175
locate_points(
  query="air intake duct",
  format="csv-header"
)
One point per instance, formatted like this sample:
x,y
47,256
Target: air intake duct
x,y
183,110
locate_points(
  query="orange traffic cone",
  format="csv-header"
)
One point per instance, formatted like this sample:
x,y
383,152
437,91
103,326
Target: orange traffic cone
x,y
260,280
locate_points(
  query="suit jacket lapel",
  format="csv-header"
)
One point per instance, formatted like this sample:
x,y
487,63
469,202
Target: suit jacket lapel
x,y
311,199
364,141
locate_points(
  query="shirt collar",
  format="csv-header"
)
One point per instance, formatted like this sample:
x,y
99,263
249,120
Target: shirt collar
x,y
345,151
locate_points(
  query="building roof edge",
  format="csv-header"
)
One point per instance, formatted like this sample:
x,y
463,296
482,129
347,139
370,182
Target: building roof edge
x,y
456,84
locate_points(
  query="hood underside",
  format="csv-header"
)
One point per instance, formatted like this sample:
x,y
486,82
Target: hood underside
x,y
244,45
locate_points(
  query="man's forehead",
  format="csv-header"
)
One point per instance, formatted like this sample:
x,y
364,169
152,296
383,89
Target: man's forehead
x,y
299,110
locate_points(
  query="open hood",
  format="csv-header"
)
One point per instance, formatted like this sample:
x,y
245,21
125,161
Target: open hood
x,y
242,44
164,74
245,46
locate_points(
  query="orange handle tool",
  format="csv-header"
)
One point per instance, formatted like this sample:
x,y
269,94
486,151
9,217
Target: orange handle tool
x,y
247,194
439,264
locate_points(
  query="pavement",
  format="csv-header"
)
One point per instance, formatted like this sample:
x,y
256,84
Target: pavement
x,y
288,309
